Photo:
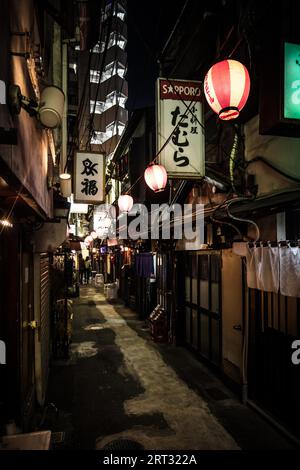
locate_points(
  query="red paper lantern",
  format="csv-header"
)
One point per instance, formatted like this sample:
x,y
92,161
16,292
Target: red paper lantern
x,y
226,88
125,203
156,177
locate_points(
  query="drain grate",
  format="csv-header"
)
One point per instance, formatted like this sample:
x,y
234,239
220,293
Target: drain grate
x,y
123,444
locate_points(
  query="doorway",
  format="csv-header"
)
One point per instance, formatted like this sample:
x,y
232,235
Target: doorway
x,y
202,305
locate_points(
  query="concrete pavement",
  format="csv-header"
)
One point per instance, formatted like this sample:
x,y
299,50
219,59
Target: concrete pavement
x,y
119,384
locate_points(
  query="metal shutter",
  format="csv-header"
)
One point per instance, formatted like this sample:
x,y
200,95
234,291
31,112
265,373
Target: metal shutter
x,y
42,317
45,319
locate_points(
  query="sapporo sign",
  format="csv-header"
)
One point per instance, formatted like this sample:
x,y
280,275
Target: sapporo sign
x,y
179,115
291,108
89,177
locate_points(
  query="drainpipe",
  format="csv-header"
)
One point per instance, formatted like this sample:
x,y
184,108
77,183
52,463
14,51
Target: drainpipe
x,y
63,155
245,307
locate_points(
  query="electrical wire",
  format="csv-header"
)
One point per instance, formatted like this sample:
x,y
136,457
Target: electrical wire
x,y
163,146
89,127
188,107
227,223
239,219
108,33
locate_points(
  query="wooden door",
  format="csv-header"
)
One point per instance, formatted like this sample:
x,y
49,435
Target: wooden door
x,y
27,352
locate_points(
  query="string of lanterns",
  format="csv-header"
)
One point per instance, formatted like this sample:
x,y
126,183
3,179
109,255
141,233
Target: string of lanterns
x,y
226,89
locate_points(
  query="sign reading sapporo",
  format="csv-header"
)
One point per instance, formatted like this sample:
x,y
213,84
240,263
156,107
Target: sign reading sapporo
x,y
291,81
89,177
179,114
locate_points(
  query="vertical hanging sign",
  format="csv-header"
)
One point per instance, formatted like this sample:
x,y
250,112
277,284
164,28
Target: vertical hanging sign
x,y
89,178
179,122
291,81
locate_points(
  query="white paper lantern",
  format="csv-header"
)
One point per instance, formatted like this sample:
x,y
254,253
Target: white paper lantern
x,y
125,203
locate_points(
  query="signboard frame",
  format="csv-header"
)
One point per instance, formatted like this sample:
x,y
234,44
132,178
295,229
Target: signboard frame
x,y
101,177
161,119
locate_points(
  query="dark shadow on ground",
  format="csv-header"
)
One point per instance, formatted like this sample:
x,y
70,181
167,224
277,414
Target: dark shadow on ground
x,y
90,392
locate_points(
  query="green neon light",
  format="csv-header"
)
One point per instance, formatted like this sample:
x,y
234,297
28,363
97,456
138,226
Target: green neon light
x,y
291,81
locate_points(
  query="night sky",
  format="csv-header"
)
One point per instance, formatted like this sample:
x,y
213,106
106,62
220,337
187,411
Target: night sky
x,y
149,26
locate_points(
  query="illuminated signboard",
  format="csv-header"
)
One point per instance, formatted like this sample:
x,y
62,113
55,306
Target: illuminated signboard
x,y
89,178
180,134
291,81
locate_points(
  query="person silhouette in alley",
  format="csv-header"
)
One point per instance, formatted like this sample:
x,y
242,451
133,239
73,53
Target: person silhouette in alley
x,y
87,269
81,266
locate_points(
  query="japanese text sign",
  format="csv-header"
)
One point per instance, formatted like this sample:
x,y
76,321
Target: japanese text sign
x,y
180,132
89,178
291,81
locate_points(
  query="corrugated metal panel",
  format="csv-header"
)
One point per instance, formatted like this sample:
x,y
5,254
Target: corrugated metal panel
x,y
45,319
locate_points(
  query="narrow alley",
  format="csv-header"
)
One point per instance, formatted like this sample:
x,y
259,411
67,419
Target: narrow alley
x,y
118,384
149,231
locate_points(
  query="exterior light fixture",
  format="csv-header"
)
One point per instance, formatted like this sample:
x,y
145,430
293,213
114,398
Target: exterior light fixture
x,y
6,223
49,109
226,88
125,203
156,177
65,184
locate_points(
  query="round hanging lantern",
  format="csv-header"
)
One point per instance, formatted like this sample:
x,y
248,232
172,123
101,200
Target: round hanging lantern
x,y
86,240
125,203
89,238
93,234
156,177
226,88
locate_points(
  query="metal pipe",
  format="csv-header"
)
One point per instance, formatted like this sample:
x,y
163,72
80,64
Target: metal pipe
x,y
63,155
215,183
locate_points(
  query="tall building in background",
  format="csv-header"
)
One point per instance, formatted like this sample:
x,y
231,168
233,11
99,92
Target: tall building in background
x,y
108,86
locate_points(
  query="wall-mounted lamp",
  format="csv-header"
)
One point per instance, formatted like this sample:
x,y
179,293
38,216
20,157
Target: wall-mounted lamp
x,y
49,110
65,184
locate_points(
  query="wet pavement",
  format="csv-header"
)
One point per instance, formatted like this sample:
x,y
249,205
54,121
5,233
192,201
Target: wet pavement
x,y
119,384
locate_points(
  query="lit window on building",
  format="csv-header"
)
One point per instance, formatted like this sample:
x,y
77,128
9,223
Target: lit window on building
x,y
97,48
94,76
115,98
115,128
99,108
119,11
117,39
73,66
114,68
98,138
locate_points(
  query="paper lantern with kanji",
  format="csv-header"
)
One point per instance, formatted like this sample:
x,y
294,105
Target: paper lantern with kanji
x,y
156,177
226,88
125,203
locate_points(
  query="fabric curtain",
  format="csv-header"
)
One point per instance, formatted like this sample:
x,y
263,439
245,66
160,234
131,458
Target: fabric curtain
x,y
274,269
268,275
144,264
290,271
